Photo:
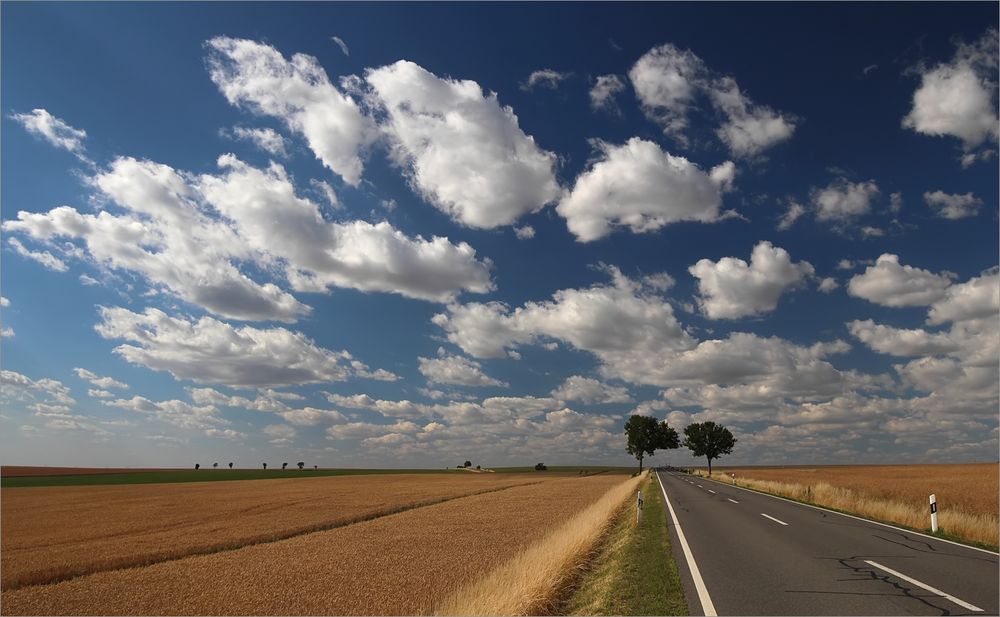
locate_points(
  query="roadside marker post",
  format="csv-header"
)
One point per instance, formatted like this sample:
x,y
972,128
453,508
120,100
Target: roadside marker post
x,y
638,507
934,525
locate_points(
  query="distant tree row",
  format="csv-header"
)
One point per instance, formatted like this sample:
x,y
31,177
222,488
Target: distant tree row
x,y
644,435
300,465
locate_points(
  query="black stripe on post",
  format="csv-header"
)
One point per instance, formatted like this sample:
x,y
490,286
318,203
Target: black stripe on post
x,y
933,508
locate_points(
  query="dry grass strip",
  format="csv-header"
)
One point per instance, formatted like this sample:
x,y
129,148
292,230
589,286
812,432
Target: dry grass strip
x,y
534,581
966,494
53,534
399,564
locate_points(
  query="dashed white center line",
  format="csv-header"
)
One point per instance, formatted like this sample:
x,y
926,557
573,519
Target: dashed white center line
x,y
774,519
732,500
937,592
700,486
711,491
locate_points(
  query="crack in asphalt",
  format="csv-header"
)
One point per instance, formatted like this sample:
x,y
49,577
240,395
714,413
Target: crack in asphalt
x,y
887,578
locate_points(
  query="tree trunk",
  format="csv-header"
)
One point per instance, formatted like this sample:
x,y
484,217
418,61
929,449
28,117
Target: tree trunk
x,y
709,466
640,464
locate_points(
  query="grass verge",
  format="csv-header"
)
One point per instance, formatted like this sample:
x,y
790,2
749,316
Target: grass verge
x,y
536,580
978,530
633,572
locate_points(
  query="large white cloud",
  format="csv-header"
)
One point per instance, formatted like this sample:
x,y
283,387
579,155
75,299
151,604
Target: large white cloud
x,y
455,370
165,237
669,81
277,223
890,283
901,341
297,91
730,288
958,98
624,324
171,234
464,152
979,297
212,352
639,186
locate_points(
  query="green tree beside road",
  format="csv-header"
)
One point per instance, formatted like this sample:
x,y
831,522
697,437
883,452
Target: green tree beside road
x,y
645,435
708,439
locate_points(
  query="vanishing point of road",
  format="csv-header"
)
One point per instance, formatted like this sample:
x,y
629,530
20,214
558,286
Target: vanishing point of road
x,y
744,553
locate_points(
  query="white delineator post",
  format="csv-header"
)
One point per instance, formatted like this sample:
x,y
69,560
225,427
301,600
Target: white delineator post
x,y
638,507
934,525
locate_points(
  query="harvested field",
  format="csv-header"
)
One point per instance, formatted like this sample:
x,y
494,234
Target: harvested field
x,y
51,534
398,564
966,494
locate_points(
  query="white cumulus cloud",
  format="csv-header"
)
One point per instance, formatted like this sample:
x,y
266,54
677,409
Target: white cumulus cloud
x,y
669,81
297,91
639,186
455,370
958,98
842,200
464,152
890,283
210,351
731,288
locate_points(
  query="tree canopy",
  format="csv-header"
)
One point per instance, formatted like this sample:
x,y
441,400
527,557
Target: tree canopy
x,y
708,439
645,435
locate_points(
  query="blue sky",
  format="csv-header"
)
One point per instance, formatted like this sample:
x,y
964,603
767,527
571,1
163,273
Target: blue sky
x,y
411,235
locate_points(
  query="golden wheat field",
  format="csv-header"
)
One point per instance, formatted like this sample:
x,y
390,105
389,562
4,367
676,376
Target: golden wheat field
x,y
52,533
967,495
404,563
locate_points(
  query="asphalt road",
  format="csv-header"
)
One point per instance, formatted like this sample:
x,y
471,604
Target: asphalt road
x,y
760,555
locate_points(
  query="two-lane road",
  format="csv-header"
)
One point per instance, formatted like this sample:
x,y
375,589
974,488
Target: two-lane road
x,y
760,555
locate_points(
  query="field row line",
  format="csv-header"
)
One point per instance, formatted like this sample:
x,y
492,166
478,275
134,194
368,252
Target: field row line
x,y
57,576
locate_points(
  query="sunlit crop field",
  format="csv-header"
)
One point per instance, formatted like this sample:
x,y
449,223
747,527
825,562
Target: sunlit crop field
x,y
967,495
54,533
402,563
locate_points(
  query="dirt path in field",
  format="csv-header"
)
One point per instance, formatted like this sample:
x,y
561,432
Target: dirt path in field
x,y
397,564
52,534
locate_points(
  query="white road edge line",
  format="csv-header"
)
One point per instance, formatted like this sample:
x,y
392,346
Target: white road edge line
x,y
774,519
867,520
937,592
732,500
699,583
